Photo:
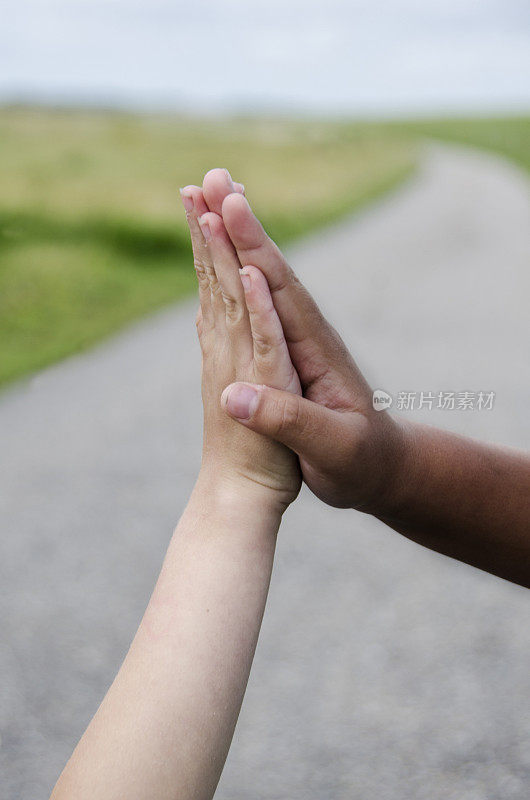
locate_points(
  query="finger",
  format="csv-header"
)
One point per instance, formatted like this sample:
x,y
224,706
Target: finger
x,y
302,316
217,184
306,427
271,357
313,343
194,205
226,265
224,257
201,254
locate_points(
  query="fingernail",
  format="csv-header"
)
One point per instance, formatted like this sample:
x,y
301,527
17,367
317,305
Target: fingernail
x,y
230,181
239,187
245,280
240,400
187,200
206,232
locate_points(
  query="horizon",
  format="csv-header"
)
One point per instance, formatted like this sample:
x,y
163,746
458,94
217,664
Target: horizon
x,y
256,113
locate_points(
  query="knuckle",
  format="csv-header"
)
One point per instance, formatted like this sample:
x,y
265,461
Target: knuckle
x,y
288,416
200,269
215,288
235,312
262,347
266,345
229,302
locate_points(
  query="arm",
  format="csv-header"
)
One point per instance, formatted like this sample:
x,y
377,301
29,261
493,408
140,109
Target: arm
x,y
165,725
459,497
465,499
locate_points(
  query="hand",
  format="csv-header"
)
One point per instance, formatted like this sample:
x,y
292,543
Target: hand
x,y
463,498
241,340
349,453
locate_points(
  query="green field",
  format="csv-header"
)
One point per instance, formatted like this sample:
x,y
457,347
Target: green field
x,y
92,233
509,137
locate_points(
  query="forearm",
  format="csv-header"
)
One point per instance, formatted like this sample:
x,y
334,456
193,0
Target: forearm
x,y
465,499
165,726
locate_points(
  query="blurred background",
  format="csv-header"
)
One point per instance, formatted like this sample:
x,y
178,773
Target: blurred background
x,y
294,98
387,145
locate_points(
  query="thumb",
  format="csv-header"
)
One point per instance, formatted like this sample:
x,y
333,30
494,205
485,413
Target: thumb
x,y
300,424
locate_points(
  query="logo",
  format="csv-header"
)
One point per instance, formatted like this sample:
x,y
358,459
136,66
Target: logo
x,y
381,400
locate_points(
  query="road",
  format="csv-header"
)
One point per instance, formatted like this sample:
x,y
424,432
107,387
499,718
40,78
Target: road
x,y
383,670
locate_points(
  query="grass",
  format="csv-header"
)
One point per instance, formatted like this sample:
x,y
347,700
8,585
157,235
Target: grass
x,y
92,234
509,136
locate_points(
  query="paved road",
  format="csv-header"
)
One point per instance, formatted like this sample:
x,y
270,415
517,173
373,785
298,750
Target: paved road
x,y
383,670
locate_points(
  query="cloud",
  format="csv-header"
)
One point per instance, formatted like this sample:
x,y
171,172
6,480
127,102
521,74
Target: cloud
x,y
335,55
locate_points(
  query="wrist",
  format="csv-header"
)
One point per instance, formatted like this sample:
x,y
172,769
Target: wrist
x,y
231,495
379,465
400,458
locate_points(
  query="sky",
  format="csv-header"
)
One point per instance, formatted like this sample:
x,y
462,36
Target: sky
x,y
327,56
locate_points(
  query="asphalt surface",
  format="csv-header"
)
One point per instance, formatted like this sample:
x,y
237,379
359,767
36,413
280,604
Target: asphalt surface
x,y
383,670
